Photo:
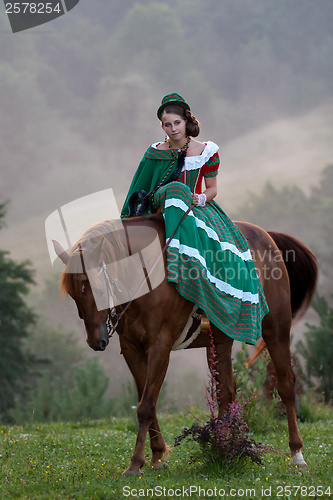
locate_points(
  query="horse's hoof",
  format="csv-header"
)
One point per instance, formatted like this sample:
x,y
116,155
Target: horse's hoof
x,y
132,471
297,461
160,464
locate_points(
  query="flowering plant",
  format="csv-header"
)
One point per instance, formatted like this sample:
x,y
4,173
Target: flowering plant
x,y
225,439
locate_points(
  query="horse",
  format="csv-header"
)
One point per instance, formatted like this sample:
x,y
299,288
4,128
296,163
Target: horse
x,y
149,324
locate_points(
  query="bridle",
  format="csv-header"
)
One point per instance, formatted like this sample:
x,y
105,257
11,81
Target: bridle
x,y
112,312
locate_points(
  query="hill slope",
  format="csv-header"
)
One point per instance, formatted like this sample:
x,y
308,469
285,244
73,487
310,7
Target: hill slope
x,y
291,151
286,152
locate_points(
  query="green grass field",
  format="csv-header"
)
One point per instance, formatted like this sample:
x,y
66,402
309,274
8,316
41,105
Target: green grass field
x,y
85,461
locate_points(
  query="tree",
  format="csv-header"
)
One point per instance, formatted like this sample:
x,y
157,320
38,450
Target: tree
x,y
322,207
15,321
317,349
307,217
58,355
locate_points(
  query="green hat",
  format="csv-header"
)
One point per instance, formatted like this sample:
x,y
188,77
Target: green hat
x,y
169,99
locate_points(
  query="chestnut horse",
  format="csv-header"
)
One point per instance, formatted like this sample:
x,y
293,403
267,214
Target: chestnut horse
x,y
151,324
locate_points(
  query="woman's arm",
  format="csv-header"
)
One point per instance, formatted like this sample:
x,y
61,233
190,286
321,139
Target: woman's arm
x,y
210,191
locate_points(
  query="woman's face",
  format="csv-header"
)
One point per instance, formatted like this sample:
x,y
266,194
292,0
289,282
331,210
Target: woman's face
x,y
174,126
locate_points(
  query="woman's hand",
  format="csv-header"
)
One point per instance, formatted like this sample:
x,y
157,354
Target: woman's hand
x,y
195,199
210,193
199,199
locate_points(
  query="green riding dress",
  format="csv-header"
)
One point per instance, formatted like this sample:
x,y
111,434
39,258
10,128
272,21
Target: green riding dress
x,y
208,259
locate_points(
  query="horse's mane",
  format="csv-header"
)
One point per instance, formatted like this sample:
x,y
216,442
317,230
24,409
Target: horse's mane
x,y
104,239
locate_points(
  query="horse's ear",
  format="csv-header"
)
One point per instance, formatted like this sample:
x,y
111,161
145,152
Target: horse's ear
x,y
61,252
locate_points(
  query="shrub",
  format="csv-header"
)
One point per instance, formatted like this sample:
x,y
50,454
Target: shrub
x,y
226,439
317,349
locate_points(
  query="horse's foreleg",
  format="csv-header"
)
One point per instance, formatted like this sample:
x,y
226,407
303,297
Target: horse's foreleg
x,y
279,350
158,360
225,382
157,369
157,444
137,363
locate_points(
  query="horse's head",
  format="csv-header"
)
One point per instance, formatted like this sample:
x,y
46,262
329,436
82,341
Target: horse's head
x,y
75,282
107,268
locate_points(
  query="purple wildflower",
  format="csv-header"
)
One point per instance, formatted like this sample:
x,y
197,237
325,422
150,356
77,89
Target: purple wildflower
x,y
227,439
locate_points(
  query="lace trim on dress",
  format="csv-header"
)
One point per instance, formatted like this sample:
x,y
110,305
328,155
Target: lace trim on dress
x,y
195,162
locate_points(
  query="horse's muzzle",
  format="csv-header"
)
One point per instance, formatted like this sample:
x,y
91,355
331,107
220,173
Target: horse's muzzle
x,y
101,345
97,337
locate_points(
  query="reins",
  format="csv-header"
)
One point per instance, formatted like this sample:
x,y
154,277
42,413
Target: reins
x,y
112,311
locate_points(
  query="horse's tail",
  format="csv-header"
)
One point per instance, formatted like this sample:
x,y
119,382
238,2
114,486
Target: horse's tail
x,y
302,269
260,347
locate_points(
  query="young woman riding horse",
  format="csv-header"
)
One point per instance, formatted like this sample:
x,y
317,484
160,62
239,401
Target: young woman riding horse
x,y
209,260
246,280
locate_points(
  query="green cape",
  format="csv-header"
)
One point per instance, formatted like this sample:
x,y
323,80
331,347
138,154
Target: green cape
x,y
150,172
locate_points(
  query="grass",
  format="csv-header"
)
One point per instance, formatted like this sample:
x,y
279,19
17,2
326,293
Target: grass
x,y
85,461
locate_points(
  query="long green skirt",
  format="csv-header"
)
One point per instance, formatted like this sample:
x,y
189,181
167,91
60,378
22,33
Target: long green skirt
x,y
210,263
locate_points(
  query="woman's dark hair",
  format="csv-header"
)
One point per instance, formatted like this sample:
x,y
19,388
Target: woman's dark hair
x,y
192,124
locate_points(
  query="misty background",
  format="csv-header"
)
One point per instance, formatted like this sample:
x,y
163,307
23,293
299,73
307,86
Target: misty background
x,y
78,109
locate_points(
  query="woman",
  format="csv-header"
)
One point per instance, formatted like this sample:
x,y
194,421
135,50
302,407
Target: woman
x,y
208,258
